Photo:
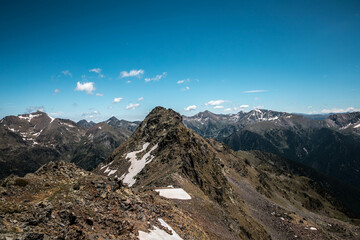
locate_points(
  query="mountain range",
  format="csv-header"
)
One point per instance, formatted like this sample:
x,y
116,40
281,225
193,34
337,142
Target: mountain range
x,y
167,182
330,145
28,141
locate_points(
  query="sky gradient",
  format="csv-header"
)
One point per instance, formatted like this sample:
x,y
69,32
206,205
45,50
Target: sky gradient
x,y
97,59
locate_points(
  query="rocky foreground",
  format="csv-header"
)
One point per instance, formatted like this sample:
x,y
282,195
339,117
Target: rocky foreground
x,y
62,201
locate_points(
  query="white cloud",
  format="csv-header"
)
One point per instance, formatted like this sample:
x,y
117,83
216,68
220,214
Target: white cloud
x,y
66,73
185,89
182,81
117,100
309,107
340,110
132,73
56,91
128,81
100,94
140,99
218,107
56,113
95,70
98,71
35,108
255,91
132,106
190,108
91,114
88,87
156,78
244,106
216,102
227,109
259,107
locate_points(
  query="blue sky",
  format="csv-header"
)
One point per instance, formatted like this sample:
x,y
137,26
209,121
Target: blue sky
x,y
96,59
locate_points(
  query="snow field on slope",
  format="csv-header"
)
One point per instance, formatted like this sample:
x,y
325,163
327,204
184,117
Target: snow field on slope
x,y
174,193
159,234
137,164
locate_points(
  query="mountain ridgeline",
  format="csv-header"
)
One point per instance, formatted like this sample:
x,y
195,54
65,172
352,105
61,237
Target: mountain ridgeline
x,y
167,182
330,145
30,140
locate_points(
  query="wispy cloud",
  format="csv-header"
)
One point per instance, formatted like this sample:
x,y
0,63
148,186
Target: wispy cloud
x,y
128,81
56,114
340,110
183,81
227,109
218,107
259,107
255,91
244,106
156,78
132,106
117,100
132,73
88,87
100,94
185,89
190,108
56,91
91,114
95,70
216,102
98,71
66,73
140,99
35,108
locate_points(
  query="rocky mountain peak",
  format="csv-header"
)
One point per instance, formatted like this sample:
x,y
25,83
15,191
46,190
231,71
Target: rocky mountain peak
x,y
158,123
161,150
112,121
85,124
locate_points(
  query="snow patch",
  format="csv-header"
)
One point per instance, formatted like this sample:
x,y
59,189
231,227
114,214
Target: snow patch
x,y
306,150
174,193
112,172
109,170
38,133
66,124
347,126
357,126
12,129
31,116
100,128
52,119
137,164
159,234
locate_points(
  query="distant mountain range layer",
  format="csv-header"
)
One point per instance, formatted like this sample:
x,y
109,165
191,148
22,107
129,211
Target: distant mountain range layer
x,y
331,145
30,140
